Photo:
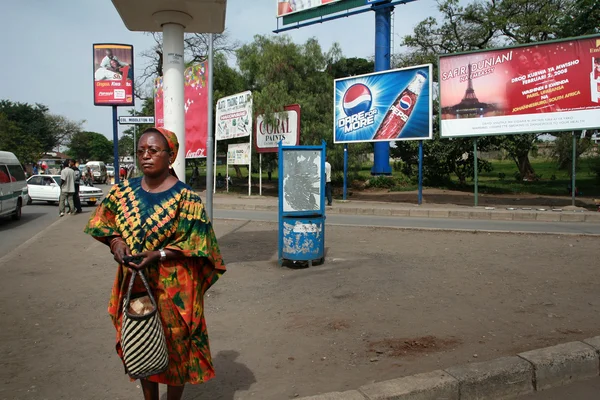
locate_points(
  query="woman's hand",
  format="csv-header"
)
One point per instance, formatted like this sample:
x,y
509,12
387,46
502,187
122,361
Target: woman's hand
x,y
119,250
147,258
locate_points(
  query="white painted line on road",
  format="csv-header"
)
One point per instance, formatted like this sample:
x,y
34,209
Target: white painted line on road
x,y
30,241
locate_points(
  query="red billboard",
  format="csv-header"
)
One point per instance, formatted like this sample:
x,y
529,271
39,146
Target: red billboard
x,y
113,74
196,109
542,87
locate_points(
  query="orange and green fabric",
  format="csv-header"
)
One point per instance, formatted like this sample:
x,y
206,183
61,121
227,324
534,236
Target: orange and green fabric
x,y
174,219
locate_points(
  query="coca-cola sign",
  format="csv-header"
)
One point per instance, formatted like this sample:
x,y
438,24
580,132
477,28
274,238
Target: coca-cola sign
x,y
286,129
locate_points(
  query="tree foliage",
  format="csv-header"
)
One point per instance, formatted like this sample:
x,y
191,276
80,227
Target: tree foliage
x,y
25,130
87,146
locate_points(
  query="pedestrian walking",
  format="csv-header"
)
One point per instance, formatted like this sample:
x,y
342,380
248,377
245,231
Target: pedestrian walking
x,y
76,199
162,221
328,181
67,189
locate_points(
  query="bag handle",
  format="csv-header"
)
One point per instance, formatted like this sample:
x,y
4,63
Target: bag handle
x,y
134,273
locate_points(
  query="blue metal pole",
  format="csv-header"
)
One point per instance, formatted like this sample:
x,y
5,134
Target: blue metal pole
x,y
115,118
345,169
381,162
420,172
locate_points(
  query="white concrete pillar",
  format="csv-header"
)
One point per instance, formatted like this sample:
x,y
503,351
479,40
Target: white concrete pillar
x,y
173,89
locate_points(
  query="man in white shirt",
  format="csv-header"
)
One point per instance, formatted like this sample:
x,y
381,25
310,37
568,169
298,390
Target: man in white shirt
x,y
67,189
328,181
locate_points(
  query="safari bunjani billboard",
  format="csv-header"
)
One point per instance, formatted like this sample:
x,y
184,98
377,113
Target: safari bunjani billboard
x,y
196,108
384,106
113,74
543,87
287,7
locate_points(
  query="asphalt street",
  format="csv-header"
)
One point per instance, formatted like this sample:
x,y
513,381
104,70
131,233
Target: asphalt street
x,y
429,223
35,218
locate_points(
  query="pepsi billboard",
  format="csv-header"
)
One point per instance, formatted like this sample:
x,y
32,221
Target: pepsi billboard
x,y
384,106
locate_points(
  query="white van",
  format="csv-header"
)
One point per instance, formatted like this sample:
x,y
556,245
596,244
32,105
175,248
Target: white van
x,y
99,173
13,186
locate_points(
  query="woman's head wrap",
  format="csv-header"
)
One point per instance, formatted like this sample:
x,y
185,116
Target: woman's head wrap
x,y
171,139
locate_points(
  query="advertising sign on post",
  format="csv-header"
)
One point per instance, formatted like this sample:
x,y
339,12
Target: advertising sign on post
x,y
286,129
238,154
286,7
113,74
234,116
196,108
384,106
543,87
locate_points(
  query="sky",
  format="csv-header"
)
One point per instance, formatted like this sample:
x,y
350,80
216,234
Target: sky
x,y
47,46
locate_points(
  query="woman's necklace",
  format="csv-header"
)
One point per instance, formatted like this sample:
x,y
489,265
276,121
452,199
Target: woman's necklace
x,y
153,189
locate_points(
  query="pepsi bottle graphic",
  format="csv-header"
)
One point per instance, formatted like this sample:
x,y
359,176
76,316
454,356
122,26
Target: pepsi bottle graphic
x,y
396,117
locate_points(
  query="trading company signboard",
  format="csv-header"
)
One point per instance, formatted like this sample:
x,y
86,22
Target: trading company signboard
x,y
234,116
384,106
286,129
286,7
113,74
196,108
238,154
552,86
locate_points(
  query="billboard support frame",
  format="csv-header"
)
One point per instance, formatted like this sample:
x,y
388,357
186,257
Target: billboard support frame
x,y
115,118
475,174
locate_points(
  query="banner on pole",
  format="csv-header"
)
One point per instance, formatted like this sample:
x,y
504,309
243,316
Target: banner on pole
x,y
238,154
113,74
541,87
285,129
234,116
196,108
383,106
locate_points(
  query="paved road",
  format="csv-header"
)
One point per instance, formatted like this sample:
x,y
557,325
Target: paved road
x,y
35,218
429,223
587,390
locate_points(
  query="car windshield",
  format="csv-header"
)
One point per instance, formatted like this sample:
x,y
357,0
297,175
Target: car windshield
x,y
57,179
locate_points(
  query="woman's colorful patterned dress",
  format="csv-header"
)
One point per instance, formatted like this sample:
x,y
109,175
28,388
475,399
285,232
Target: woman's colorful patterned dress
x,y
174,219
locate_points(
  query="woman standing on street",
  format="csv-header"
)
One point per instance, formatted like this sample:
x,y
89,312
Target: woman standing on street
x,y
161,219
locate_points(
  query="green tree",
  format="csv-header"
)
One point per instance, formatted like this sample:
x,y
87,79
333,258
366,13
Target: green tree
x,y
280,72
13,139
62,128
87,146
563,150
126,146
29,129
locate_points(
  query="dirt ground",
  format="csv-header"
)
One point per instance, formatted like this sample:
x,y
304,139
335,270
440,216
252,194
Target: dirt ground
x,y
385,303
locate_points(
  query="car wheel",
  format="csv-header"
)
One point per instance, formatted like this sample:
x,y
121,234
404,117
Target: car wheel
x,y
17,214
91,203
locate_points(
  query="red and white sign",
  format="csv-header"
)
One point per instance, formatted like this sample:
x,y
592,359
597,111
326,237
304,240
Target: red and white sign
x,y
113,74
196,109
286,129
286,7
536,88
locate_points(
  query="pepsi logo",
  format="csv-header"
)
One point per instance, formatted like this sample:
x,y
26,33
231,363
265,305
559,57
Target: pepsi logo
x,y
405,102
357,99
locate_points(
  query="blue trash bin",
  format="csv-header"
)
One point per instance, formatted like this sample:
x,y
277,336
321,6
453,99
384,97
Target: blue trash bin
x,y
303,239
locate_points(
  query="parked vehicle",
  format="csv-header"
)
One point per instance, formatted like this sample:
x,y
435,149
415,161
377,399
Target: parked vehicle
x,y
110,171
47,188
99,172
13,187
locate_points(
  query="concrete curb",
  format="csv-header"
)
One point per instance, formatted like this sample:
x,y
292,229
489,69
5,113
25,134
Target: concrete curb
x,y
478,214
502,378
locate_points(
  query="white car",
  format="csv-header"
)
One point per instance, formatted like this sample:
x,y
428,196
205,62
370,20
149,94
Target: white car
x,y
47,188
110,171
